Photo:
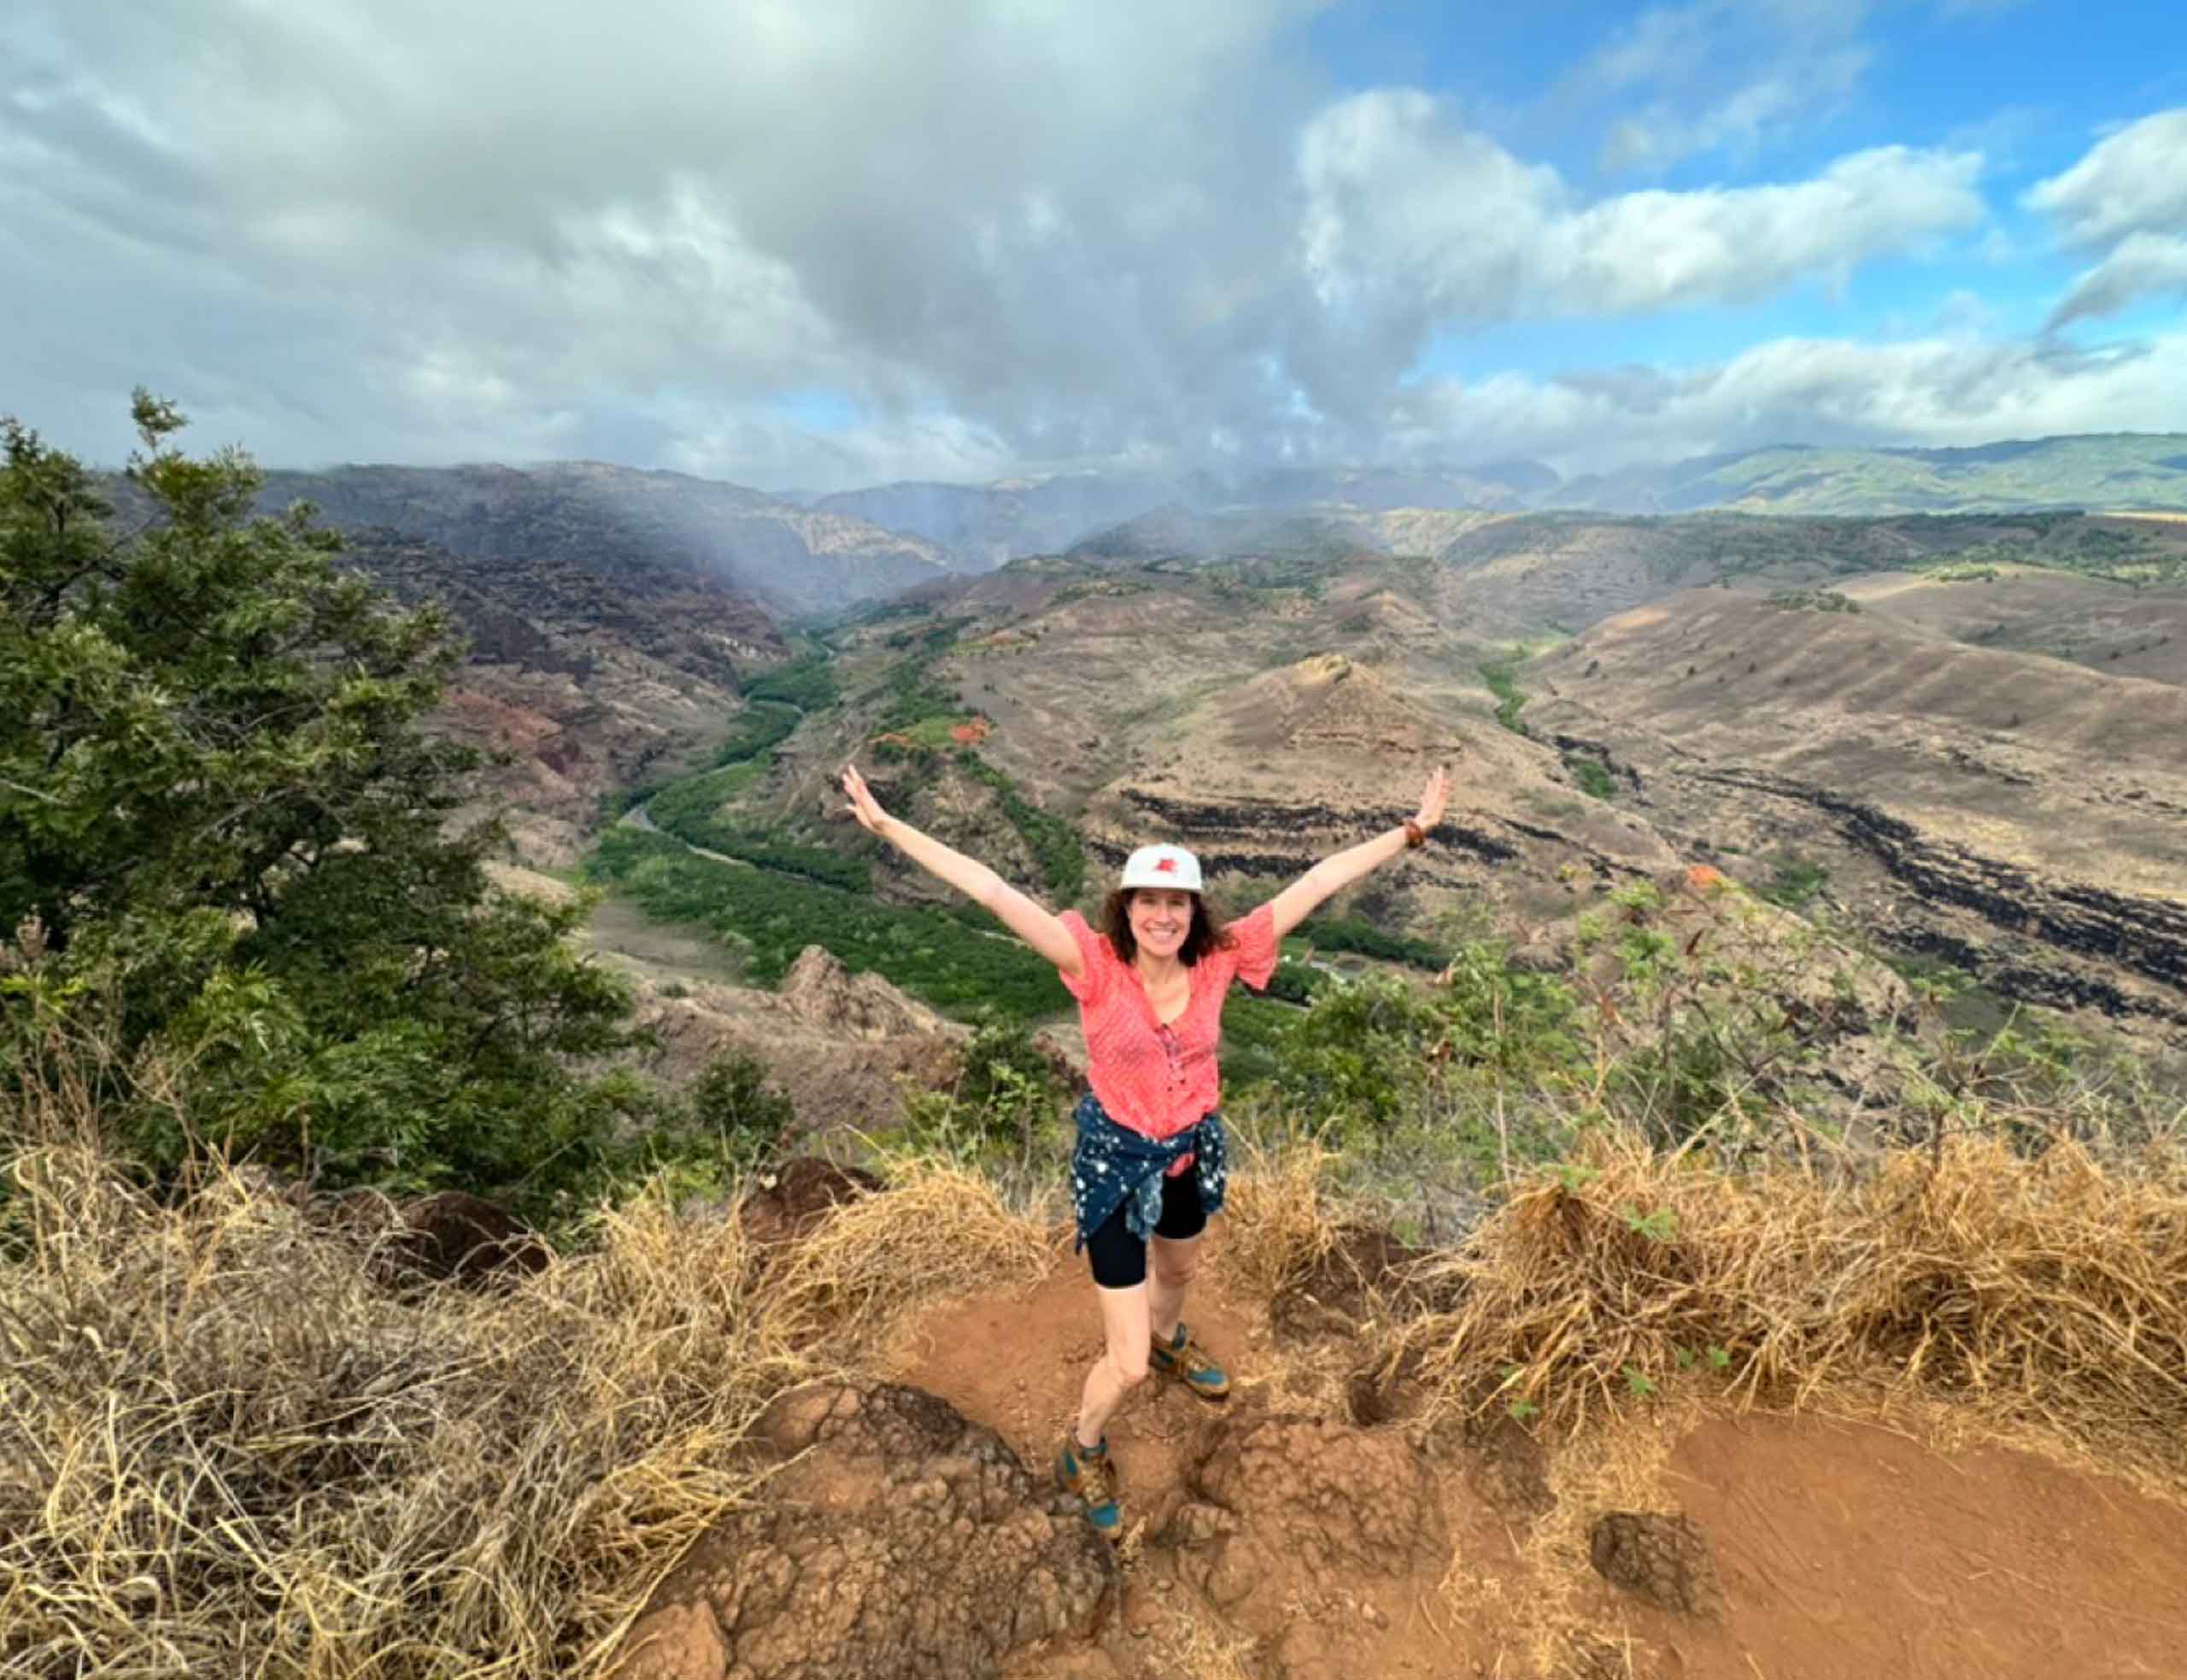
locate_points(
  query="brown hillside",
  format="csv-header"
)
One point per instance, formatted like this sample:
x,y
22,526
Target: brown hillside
x,y
1269,773
1520,577
2108,626
581,679
2025,817
1264,722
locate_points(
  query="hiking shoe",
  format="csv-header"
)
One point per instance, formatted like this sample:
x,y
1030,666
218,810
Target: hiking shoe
x,y
1187,1360
1088,1472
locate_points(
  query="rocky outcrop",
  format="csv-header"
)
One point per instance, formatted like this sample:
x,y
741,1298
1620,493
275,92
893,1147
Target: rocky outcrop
x,y
904,1542
820,992
829,1050
2090,933
1291,835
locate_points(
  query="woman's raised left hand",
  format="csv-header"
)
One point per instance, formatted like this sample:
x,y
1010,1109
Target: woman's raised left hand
x,y
1432,801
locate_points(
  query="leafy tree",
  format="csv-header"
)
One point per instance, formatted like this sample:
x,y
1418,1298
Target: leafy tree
x,y
242,852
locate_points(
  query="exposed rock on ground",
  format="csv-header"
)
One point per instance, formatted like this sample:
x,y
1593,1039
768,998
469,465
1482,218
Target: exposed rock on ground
x,y
1664,1559
840,1044
905,1541
1291,1546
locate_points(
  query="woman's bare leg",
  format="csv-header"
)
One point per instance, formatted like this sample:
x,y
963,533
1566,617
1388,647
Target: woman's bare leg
x,y
1172,1264
1123,1364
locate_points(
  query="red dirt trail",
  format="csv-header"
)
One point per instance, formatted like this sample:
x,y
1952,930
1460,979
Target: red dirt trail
x,y
1847,1552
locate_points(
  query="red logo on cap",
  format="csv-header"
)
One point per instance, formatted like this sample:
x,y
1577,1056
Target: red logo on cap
x,y
1165,866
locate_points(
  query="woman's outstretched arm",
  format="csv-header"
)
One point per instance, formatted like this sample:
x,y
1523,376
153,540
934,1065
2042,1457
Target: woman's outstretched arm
x,y
1339,870
1030,921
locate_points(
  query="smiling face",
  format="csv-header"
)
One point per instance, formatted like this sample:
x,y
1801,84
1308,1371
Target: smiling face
x,y
1161,917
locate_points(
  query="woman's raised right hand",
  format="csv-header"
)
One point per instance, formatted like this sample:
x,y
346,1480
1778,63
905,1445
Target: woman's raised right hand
x,y
864,805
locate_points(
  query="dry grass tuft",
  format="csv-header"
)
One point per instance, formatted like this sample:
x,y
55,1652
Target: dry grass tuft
x,y
940,1228
2045,1290
1278,1226
225,1448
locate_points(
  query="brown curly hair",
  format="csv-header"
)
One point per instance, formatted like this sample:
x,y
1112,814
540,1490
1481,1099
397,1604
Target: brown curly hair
x,y
1206,933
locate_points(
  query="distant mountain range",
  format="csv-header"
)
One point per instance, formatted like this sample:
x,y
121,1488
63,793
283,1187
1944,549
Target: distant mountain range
x,y
2119,472
790,558
819,553
983,525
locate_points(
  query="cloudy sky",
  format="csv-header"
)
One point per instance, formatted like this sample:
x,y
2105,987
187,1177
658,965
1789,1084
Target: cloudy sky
x,y
825,242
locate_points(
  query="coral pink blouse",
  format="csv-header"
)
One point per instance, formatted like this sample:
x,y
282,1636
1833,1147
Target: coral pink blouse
x,y
1159,1080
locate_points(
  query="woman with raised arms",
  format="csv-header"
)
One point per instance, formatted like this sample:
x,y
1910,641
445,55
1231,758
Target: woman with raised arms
x,y
1148,1169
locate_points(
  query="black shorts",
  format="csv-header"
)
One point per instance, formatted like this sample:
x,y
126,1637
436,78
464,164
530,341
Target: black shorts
x,y
1119,1258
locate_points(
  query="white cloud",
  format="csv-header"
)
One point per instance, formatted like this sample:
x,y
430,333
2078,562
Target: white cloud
x,y
2134,181
2144,265
990,235
1938,392
1053,218
1402,202
2130,194
1661,135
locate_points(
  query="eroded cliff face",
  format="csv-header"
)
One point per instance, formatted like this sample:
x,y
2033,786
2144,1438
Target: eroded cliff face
x,y
2022,819
2040,940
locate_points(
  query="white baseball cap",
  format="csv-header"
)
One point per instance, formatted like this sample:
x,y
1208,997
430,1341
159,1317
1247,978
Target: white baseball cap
x,y
1162,866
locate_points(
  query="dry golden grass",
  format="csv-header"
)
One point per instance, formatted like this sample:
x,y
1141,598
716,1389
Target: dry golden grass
x,y
2043,1291
940,1228
1278,1224
228,1447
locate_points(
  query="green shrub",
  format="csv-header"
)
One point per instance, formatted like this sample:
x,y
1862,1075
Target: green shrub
x,y
1795,884
1007,1099
760,726
1357,934
1593,775
1357,1060
1814,600
733,1112
238,852
687,808
1502,676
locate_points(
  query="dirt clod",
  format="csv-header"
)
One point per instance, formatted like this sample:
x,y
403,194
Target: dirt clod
x,y
905,1541
1664,1559
465,1239
790,1203
1509,1469
1305,1498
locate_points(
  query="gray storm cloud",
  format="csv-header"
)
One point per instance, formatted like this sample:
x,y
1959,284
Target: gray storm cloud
x,y
1038,233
